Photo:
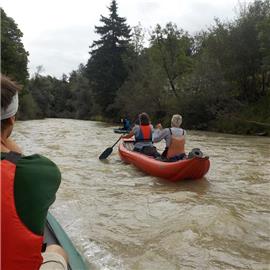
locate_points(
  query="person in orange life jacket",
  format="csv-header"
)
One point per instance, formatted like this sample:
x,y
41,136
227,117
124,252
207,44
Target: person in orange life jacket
x,y
28,186
174,138
143,136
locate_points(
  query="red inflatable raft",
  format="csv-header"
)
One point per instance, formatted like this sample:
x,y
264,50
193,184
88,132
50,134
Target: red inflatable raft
x,y
193,168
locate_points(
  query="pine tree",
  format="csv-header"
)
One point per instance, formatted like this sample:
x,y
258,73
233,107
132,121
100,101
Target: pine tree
x,y
106,69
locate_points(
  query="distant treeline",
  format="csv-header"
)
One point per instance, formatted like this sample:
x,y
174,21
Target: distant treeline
x,y
218,79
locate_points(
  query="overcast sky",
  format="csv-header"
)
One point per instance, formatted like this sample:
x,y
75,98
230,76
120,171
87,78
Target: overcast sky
x,y
57,34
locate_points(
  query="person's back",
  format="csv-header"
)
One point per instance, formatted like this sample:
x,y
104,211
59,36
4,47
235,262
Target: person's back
x,y
176,143
143,136
174,138
28,187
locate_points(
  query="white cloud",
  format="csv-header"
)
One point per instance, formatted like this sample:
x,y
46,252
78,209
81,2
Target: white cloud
x,y
57,34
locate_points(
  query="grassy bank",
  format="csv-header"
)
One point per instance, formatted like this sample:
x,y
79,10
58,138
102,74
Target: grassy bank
x,y
251,120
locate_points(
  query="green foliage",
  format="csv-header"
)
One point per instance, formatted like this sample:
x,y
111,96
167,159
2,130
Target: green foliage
x,y
238,48
156,73
28,108
250,119
230,74
13,55
66,98
171,50
14,61
82,94
138,39
41,90
105,68
218,80
143,89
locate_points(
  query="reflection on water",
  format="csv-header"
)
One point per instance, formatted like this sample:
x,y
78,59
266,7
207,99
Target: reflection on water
x,y
120,218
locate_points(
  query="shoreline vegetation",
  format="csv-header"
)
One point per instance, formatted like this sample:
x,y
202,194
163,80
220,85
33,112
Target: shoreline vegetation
x,y
217,79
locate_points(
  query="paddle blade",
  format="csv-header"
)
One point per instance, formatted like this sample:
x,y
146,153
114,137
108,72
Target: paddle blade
x,y
106,153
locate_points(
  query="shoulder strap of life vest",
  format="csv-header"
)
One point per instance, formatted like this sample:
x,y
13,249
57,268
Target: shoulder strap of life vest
x,y
181,135
13,157
177,145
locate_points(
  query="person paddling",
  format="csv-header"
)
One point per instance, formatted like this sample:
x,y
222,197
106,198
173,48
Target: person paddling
x,y
174,138
143,132
28,186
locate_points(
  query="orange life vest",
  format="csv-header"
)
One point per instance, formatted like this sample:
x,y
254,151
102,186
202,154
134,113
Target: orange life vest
x,y
145,134
177,146
20,248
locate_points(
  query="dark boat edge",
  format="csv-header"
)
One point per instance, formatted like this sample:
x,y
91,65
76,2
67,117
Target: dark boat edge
x,y
55,234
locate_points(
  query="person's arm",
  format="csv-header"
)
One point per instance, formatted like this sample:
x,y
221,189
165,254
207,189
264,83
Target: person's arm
x,y
159,126
129,135
160,135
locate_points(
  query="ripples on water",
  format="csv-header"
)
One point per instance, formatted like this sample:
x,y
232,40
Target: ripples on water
x,y
120,218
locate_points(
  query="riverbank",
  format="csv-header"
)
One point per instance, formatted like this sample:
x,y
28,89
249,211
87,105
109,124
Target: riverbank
x,y
251,120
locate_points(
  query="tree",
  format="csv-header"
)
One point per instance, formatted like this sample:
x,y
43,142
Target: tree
x,y
172,50
82,94
13,55
138,39
41,88
264,39
156,73
241,48
14,59
146,87
106,70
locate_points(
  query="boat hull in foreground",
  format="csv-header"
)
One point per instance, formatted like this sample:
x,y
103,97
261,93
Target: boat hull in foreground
x,y
55,234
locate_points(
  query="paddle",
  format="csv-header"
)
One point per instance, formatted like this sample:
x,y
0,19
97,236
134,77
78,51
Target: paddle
x,y
108,151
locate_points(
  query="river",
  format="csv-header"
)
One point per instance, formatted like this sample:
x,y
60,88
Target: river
x,y
122,219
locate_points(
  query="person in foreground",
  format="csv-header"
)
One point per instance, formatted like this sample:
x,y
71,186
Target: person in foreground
x,y
143,133
28,186
174,138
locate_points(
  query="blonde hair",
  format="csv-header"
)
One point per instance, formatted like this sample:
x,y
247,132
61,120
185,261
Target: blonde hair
x,y
176,120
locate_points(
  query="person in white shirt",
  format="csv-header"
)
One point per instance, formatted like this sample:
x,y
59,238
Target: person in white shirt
x,y
174,138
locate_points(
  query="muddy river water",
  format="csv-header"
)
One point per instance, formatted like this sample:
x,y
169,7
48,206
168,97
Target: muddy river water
x,y
120,218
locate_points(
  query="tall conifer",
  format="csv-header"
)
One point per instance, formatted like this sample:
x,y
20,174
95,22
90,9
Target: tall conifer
x,y
105,68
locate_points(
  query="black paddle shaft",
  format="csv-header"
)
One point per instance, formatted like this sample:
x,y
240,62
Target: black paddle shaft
x,y
117,141
108,151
